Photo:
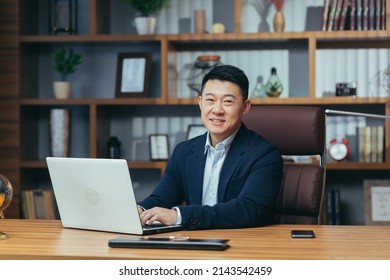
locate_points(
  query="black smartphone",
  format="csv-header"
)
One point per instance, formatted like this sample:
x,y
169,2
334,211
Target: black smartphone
x,y
302,234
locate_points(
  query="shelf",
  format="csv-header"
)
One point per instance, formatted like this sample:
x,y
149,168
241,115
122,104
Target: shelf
x,y
91,101
194,101
321,36
357,166
137,165
135,39
97,114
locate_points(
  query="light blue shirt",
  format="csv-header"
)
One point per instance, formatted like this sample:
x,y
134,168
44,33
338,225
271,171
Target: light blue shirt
x,y
214,161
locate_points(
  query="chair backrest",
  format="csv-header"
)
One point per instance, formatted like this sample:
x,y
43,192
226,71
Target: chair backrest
x,y
295,130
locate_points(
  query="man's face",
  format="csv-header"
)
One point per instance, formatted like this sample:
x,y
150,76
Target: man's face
x,y
222,107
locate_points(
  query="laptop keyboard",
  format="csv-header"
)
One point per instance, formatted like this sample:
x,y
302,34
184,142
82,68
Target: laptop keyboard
x,y
155,225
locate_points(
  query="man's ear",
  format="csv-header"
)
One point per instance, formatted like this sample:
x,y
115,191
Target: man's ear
x,y
247,106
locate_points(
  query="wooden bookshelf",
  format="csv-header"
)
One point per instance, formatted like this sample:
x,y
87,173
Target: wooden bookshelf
x,y
25,105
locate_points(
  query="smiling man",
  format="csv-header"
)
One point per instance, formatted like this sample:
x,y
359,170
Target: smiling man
x,y
228,177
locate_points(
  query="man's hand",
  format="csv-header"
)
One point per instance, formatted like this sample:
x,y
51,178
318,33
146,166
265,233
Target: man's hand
x,y
140,210
162,215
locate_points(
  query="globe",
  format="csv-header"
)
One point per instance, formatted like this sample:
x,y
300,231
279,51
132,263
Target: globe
x,y
6,193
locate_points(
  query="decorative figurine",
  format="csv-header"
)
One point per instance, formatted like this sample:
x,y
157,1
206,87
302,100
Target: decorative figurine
x,y
273,87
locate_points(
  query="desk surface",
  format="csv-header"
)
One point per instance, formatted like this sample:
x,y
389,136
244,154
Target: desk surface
x,y
43,239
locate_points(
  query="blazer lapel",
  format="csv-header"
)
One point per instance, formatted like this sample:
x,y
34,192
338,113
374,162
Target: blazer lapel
x,y
195,172
233,159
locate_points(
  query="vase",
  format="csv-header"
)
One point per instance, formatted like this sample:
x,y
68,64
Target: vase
x,y
59,132
199,21
145,25
263,26
279,21
273,87
61,89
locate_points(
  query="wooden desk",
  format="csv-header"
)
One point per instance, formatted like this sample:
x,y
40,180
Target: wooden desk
x,y
40,239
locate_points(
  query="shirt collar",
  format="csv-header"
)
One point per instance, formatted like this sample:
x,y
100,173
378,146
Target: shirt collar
x,y
225,143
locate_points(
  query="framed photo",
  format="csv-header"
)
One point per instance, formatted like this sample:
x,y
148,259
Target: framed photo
x,y
159,147
133,74
63,17
195,130
377,202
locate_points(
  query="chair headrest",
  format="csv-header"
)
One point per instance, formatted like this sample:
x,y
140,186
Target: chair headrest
x,y
295,130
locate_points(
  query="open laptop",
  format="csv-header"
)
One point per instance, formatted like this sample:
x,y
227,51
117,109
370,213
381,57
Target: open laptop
x,y
98,194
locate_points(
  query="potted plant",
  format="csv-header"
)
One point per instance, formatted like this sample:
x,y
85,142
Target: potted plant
x,y
147,11
66,62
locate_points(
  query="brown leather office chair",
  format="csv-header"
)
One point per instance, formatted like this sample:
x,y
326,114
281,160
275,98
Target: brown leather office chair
x,y
296,130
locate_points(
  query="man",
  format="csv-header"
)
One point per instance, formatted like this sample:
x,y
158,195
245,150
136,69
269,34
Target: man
x,y
228,177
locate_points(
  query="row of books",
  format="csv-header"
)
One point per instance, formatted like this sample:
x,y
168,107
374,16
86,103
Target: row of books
x,y
39,204
371,144
333,206
354,15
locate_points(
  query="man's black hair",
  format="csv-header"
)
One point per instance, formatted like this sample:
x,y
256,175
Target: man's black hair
x,y
229,73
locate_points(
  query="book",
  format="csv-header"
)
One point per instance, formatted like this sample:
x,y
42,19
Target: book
x,y
380,143
373,144
337,16
28,208
353,148
359,15
343,15
313,18
352,15
367,148
330,203
383,15
49,205
378,14
331,15
364,144
336,207
364,16
371,15
39,204
325,15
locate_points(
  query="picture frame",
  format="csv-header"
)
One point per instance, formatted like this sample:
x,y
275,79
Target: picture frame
x,y
159,147
377,202
63,17
195,130
133,74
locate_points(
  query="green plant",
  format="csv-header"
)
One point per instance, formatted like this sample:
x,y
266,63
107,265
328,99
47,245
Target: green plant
x,y
66,61
148,7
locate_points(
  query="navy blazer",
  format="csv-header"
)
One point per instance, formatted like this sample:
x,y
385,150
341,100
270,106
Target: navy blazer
x,y
249,183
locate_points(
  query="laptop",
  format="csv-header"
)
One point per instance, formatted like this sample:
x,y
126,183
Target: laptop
x,y
98,194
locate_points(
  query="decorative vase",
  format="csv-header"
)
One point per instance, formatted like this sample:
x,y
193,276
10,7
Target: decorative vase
x,y
279,21
199,21
59,132
145,25
61,89
263,26
273,87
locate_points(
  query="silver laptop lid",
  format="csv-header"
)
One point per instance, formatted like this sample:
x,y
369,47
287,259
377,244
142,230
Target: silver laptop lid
x,y
95,194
